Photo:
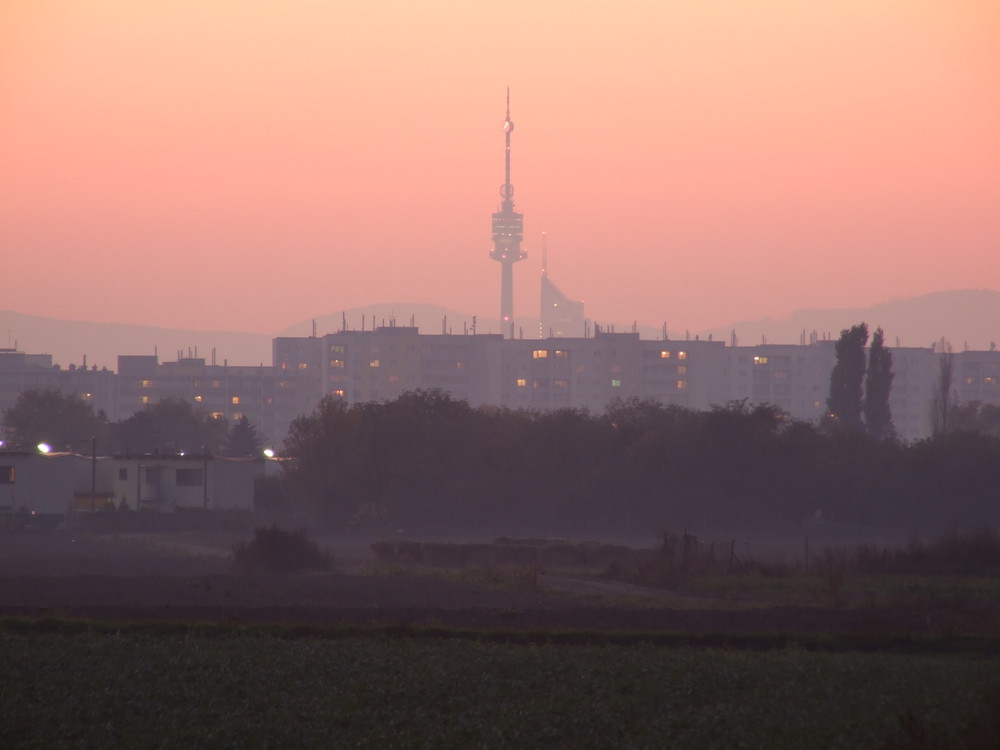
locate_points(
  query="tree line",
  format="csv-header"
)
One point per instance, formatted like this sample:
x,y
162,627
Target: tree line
x,y
172,425
428,461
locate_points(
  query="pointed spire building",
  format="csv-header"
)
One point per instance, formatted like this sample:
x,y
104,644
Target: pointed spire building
x,y
560,316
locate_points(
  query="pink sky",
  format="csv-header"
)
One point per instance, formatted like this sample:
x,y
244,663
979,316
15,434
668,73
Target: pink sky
x,y
247,165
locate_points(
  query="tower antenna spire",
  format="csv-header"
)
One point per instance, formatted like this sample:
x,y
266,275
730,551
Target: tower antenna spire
x,y
508,231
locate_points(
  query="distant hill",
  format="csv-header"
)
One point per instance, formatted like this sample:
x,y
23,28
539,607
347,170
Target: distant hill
x,y
968,317
965,317
68,341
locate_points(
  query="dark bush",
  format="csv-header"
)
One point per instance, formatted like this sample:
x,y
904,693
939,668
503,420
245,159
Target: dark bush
x,y
955,552
274,550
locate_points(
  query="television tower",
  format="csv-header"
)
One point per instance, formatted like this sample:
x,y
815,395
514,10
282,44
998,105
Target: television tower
x,y
508,231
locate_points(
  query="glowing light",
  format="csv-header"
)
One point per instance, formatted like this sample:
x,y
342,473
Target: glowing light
x,y
44,447
268,453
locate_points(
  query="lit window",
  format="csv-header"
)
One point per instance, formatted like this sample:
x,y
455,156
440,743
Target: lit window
x,y
664,354
560,383
989,381
199,399
237,416
460,365
91,395
682,385
236,400
303,366
374,363
284,365
145,399
682,355
338,363
394,378
217,415
616,383
147,383
521,382
970,380
760,360
339,393
540,354
561,354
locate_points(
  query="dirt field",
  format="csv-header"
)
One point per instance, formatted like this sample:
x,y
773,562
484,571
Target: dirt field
x,y
190,577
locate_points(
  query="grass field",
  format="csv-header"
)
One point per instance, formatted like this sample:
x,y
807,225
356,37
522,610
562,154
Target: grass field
x,y
247,688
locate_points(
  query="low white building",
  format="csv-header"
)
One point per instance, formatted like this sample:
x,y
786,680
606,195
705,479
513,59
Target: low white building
x,y
165,483
36,483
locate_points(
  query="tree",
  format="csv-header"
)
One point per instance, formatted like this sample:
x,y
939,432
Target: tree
x,y
844,405
170,425
878,384
941,397
975,416
332,452
243,439
52,417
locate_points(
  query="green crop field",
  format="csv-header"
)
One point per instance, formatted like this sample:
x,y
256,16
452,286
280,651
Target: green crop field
x,y
251,689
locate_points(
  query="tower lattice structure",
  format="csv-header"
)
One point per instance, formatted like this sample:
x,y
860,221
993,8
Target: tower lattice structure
x,y
508,231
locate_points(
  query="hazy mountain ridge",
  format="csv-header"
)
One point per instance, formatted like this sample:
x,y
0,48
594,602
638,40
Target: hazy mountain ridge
x,y
68,341
967,317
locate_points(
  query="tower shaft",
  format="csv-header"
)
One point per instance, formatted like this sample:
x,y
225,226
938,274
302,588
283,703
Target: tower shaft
x,y
508,231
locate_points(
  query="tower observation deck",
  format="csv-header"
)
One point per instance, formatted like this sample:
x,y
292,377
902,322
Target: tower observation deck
x,y
508,231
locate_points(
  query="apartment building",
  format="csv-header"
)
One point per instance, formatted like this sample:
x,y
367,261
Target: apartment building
x,y
543,374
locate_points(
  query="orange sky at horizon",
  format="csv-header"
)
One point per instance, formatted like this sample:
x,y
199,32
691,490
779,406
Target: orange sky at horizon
x,y
247,165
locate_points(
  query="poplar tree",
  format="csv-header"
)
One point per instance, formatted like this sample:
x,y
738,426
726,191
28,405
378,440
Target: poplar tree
x,y
844,404
878,383
942,398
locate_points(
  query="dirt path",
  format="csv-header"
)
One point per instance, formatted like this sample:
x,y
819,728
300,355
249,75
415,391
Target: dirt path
x,y
614,590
